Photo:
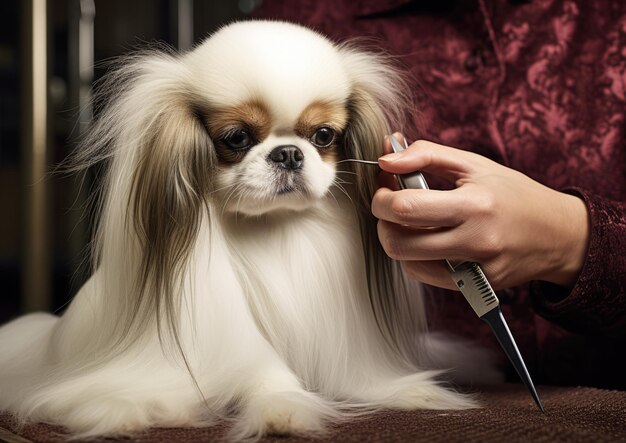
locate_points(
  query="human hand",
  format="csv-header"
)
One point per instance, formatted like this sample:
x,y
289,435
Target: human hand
x,y
517,229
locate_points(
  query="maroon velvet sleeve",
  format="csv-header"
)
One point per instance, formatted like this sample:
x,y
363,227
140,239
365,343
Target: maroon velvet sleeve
x,y
597,303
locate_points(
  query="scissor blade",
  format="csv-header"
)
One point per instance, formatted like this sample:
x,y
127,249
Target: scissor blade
x,y
473,284
496,321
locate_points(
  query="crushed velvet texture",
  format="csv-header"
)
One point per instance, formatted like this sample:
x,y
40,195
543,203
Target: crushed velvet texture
x,y
539,86
573,415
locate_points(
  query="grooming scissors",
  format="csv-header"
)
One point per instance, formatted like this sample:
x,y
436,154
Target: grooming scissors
x,y
471,281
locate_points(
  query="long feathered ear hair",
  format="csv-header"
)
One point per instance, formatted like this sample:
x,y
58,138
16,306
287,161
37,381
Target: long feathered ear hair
x,y
158,159
380,104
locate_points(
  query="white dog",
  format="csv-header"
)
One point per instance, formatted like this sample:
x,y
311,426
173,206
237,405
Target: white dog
x,y
237,272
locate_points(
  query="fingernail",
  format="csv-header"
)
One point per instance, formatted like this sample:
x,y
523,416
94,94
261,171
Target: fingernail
x,y
391,157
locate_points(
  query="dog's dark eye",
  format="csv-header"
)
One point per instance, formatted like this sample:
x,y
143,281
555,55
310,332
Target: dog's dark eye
x,y
323,137
238,139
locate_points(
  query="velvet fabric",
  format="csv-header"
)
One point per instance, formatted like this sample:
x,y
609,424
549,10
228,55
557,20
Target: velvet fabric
x,y
539,86
508,414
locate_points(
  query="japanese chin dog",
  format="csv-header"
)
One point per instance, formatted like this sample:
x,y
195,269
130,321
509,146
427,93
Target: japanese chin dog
x,y
236,269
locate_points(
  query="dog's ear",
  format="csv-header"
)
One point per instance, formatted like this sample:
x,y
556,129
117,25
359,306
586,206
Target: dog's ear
x,y
379,104
170,184
159,163
169,187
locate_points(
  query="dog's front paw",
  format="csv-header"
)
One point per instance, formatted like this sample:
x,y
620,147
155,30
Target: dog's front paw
x,y
286,413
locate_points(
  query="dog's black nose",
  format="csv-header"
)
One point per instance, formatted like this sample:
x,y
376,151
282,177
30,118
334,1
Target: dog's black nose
x,y
287,156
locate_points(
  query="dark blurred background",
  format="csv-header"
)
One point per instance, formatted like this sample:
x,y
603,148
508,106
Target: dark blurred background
x,y
51,52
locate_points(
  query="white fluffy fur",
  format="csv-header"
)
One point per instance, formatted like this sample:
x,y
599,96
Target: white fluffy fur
x,y
274,319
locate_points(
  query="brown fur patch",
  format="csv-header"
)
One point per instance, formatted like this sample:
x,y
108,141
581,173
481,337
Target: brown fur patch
x,y
330,154
323,113
169,190
318,114
252,116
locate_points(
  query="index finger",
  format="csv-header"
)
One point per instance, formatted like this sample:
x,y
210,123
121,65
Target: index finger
x,y
444,161
419,207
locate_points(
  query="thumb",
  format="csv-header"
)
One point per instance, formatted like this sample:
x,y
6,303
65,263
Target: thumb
x,y
440,160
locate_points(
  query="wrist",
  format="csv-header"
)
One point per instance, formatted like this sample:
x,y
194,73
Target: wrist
x,y
572,241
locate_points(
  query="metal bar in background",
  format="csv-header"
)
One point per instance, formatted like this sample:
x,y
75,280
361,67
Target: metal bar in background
x,y
36,272
81,17
86,61
184,24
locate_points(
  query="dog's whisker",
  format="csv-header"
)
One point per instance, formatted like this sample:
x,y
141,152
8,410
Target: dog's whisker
x,y
342,181
342,189
220,189
346,193
356,160
228,196
334,198
235,189
238,204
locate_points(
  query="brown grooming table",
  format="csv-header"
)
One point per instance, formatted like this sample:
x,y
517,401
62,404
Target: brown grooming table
x,y
509,415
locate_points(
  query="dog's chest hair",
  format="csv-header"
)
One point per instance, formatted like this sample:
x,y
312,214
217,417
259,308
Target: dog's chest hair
x,y
302,274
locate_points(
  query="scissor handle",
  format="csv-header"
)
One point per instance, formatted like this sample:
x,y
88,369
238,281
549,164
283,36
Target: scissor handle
x,y
412,180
